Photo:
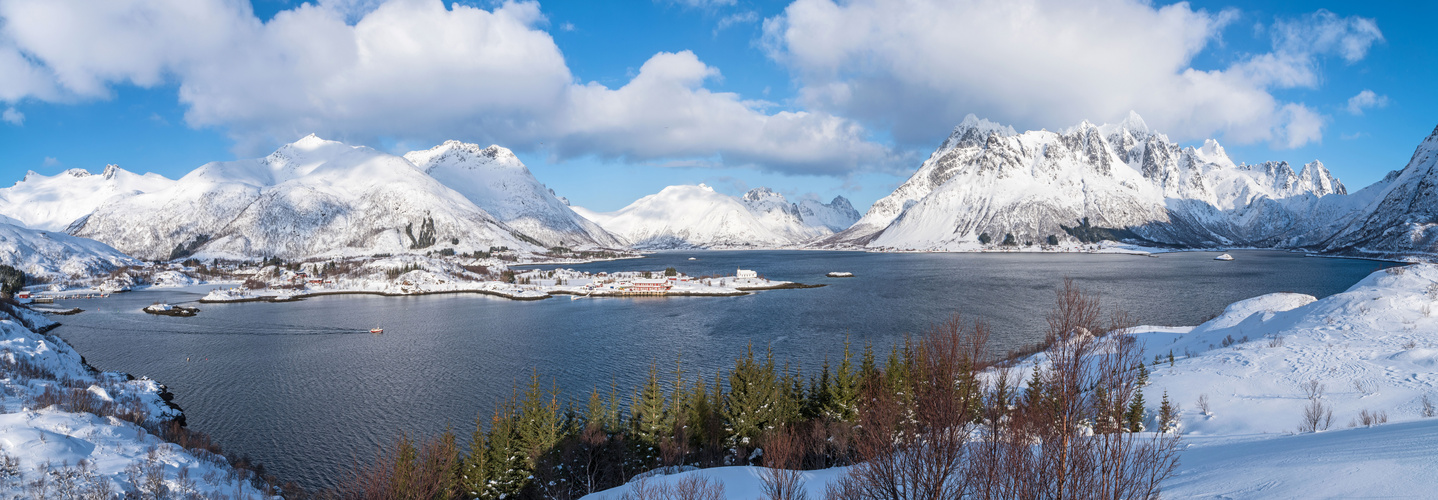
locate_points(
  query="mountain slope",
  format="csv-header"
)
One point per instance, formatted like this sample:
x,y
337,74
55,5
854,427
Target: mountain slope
x,y
309,198
1403,220
697,216
54,202
986,182
57,256
496,181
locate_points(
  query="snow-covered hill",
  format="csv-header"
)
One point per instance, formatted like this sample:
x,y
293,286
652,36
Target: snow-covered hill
x,y
52,203
697,216
495,180
57,256
309,198
1127,181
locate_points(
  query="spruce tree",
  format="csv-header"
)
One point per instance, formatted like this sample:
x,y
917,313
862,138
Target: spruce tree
x,y
1133,419
652,419
749,408
1167,416
843,397
540,426
509,471
474,470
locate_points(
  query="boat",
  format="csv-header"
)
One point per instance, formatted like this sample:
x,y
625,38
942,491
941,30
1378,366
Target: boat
x,y
693,258
376,330
1224,257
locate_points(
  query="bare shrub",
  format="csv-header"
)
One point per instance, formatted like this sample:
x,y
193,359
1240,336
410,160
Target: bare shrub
x,y
1371,418
1428,410
783,457
1275,341
406,470
1317,416
693,487
1203,404
1366,387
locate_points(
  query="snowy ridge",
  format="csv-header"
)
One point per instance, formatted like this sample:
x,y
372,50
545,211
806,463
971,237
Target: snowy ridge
x,y
1123,178
309,198
496,181
1403,219
54,202
57,256
697,216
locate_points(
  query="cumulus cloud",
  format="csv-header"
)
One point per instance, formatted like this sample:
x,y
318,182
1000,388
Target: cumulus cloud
x,y
411,70
13,116
1364,100
920,66
735,19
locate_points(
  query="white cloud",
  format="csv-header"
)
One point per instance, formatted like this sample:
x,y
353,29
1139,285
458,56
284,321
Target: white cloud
x,y
738,18
567,26
50,161
704,4
13,116
409,70
1364,100
922,65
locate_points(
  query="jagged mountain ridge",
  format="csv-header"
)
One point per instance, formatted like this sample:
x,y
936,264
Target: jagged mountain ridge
x,y
309,198
1125,180
1402,220
496,181
53,203
699,217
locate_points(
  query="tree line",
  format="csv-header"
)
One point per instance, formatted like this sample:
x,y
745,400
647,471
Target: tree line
x,y
939,418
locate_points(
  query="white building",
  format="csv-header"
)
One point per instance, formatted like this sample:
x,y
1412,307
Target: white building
x,y
746,273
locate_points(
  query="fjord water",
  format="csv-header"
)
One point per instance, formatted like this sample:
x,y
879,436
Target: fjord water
x,y
305,389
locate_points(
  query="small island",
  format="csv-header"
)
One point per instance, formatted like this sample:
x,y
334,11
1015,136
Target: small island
x,y
163,309
840,274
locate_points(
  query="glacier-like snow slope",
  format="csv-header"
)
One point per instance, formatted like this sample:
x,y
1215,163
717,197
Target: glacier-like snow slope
x,y
697,216
310,198
987,179
57,256
496,181
52,203
1372,348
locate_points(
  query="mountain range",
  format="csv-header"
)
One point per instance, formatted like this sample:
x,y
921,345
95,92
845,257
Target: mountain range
x,y
985,187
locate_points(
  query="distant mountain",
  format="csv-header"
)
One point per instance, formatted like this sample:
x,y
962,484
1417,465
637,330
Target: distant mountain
x,y
987,182
52,203
309,198
496,181
1402,220
697,216
57,256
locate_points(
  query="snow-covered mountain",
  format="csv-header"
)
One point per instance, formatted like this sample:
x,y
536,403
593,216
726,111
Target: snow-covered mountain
x,y
697,216
496,181
309,198
52,203
57,256
986,182
1402,220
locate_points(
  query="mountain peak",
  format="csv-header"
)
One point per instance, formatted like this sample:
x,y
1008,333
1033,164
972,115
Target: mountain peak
x,y
465,155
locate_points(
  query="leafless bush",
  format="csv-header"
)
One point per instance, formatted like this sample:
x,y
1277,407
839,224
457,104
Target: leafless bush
x,y
1371,418
1428,410
406,470
1203,404
1275,341
783,457
694,487
1317,416
1410,344
1366,387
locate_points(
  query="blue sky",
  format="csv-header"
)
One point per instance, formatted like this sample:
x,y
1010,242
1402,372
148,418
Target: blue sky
x,y
610,101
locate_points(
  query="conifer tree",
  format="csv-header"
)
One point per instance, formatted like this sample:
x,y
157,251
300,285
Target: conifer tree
x,y
474,470
1142,375
843,396
1167,415
868,369
749,407
1133,419
652,419
509,471
540,426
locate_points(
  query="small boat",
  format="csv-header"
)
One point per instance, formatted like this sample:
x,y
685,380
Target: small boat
x,y
693,258
1224,257
376,330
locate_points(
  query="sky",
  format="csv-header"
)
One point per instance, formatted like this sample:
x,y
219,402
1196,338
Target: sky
x,y
607,102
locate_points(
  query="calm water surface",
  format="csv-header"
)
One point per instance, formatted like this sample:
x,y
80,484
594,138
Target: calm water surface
x,y
303,388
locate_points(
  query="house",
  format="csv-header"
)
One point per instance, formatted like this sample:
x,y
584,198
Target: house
x,y
746,273
650,286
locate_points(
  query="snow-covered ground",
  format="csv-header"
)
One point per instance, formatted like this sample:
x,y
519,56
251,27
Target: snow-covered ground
x,y
1372,349
50,450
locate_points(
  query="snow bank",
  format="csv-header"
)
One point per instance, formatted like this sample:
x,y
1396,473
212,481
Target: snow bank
x,y
62,448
